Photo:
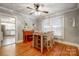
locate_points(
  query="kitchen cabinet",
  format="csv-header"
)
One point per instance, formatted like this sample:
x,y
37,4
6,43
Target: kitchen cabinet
x,y
27,36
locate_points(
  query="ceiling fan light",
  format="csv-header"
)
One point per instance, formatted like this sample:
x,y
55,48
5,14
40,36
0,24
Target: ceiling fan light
x,y
37,13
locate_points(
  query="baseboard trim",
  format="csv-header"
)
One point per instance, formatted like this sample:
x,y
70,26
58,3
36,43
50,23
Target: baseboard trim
x,y
67,43
19,41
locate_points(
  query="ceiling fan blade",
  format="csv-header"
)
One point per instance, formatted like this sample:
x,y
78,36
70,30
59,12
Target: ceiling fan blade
x,y
45,11
29,8
31,13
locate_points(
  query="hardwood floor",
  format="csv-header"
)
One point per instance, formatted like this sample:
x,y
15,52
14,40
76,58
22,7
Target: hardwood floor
x,y
26,49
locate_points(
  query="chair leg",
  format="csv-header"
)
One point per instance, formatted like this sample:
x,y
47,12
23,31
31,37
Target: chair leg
x,y
47,47
51,44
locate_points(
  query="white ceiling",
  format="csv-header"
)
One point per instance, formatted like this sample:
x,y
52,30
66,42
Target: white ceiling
x,y
12,8
51,7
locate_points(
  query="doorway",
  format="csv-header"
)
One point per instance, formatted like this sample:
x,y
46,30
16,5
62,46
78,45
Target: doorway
x,y
8,29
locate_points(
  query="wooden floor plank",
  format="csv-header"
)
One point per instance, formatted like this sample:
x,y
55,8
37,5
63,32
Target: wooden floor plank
x,y
26,49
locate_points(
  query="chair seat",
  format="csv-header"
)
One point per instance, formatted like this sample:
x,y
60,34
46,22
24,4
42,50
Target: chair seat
x,y
48,40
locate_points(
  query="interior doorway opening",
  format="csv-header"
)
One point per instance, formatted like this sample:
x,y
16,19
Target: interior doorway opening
x,y
8,29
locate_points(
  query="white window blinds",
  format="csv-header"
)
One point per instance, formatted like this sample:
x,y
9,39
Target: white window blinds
x,y
58,26
55,24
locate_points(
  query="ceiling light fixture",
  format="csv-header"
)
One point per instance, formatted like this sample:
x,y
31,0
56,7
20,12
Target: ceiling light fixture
x,y
37,13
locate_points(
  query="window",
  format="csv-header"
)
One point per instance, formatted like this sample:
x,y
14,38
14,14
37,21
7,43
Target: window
x,y
45,25
55,24
58,26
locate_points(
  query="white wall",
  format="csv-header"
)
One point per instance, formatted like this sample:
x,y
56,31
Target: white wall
x,y
0,32
70,32
38,23
77,26
20,23
19,28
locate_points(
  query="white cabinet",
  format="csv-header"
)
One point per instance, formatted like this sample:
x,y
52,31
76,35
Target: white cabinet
x,y
0,31
1,36
9,32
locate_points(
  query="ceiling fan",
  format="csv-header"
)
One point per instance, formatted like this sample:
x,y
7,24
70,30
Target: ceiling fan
x,y
36,8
